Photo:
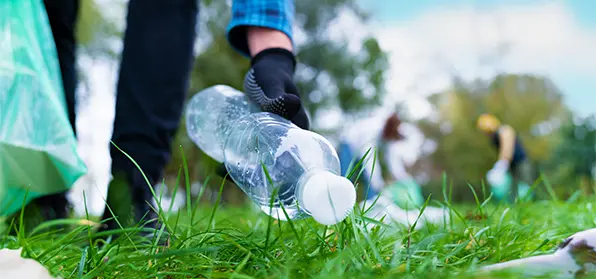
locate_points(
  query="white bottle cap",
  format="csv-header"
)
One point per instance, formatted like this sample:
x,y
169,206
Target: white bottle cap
x,y
329,198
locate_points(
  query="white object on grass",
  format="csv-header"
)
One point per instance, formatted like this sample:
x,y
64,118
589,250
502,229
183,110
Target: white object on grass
x,y
169,203
13,266
385,209
576,255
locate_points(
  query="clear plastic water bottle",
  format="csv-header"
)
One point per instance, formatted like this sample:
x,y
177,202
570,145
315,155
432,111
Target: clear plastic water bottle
x,y
272,160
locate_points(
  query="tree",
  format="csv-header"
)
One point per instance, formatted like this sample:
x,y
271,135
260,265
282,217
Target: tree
x,y
523,101
574,158
533,106
92,32
337,77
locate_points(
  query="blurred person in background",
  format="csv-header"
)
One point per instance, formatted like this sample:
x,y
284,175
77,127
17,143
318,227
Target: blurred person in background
x,y
512,159
380,134
153,80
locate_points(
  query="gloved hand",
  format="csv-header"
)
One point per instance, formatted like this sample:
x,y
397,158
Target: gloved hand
x,y
269,84
501,165
496,175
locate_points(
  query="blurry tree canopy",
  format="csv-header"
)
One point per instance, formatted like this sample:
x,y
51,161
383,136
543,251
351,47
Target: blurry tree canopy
x,y
532,105
574,159
94,33
94,30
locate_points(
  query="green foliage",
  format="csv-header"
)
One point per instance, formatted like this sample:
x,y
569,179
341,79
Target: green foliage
x,y
93,28
329,74
579,146
575,157
92,33
243,243
524,102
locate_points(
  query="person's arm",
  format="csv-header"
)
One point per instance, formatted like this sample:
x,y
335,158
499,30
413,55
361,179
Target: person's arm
x,y
507,142
262,31
257,25
261,38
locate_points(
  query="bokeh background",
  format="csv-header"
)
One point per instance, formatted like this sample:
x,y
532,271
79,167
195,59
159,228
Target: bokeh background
x,y
439,63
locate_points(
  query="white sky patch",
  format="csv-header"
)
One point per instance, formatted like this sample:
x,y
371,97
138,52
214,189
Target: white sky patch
x,y
541,39
410,148
347,26
95,119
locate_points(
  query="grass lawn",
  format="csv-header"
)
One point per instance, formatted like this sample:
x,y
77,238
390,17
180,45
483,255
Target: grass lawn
x,y
243,243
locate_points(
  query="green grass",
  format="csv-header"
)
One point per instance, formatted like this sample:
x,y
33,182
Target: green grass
x,y
244,243
228,242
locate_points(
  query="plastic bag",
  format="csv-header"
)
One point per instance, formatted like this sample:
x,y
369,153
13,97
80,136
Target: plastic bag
x,y
501,188
500,184
37,144
405,193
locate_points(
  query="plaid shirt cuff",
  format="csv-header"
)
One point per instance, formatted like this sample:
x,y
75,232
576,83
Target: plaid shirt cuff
x,y
274,14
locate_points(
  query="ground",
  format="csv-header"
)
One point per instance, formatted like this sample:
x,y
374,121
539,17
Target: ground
x,y
224,242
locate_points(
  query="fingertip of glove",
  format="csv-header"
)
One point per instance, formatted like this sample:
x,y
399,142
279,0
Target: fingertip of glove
x,y
289,107
301,120
286,106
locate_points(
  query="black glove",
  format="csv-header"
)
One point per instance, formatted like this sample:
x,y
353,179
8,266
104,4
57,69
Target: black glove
x,y
269,84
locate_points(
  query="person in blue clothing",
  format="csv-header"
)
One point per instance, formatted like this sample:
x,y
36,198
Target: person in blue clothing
x,y
153,81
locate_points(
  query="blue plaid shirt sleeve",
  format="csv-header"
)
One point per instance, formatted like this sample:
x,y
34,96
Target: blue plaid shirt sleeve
x,y
274,14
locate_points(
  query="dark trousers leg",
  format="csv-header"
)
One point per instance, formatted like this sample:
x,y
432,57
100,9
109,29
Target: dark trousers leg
x,y
514,185
62,15
153,80
521,173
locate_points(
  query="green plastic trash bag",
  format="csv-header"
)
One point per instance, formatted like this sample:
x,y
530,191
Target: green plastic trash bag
x,y
524,191
38,153
406,194
502,189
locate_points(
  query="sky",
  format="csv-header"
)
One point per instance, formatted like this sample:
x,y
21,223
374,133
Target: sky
x,y
426,38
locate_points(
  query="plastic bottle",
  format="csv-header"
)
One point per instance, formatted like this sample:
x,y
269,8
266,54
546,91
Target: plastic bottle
x,y
273,161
